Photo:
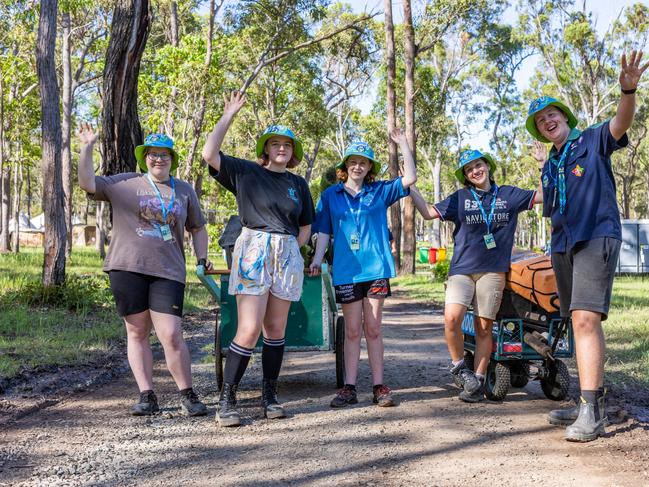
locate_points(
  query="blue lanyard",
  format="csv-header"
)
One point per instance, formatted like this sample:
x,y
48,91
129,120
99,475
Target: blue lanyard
x,y
165,210
356,215
493,207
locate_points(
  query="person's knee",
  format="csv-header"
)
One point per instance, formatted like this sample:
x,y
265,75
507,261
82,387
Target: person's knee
x,y
353,333
138,333
482,332
372,330
172,338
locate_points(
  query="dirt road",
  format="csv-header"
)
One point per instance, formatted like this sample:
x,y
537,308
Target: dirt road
x,y
430,439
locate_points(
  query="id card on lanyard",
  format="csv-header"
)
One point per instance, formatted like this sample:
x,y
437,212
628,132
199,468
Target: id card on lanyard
x,y
489,240
355,237
165,229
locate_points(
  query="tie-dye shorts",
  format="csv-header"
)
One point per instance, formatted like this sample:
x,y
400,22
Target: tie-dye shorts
x,y
263,262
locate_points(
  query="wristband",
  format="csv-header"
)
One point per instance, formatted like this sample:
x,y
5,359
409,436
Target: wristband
x,y
201,262
629,92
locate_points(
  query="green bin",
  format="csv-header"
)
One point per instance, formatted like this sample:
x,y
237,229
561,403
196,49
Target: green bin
x,y
423,255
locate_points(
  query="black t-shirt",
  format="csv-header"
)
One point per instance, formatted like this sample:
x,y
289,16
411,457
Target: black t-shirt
x,y
273,202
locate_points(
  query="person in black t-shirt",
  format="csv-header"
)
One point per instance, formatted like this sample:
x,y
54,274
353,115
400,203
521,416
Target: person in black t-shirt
x,y
276,211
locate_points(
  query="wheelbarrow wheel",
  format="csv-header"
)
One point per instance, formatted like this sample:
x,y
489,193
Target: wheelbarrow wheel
x,y
468,361
520,373
497,381
340,351
218,355
557,389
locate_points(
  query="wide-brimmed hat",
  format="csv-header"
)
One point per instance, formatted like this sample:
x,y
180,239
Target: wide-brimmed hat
x,y
156,140
360,148
467,157
539,104
283,131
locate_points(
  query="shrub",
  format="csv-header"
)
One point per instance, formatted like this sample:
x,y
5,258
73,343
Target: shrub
x,y
440,270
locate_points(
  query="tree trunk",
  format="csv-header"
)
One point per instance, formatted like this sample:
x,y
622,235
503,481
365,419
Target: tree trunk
x,y
310,159
4,177
393,160
121,125
100,234
18,186
65,129
53,203
171,110
409,244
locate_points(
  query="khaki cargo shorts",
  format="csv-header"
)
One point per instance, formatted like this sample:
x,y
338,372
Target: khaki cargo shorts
x,y
484,290
263,262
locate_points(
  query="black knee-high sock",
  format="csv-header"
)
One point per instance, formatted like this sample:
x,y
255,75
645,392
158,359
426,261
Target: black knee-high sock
x,y
272,355
235,365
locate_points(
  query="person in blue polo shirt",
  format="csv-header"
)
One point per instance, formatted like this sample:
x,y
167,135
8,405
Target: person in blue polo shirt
x,y
485,217
354,213
580,199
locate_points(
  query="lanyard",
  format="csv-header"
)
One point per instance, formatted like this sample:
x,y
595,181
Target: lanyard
x,y
560,180
356,215
165,210
493,207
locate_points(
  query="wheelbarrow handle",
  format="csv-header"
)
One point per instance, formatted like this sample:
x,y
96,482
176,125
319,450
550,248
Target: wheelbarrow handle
x,y
226,272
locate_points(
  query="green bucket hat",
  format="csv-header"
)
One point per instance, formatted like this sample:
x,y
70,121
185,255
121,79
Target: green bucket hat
x,y
467,157
156,140
284,132
360,148
539,104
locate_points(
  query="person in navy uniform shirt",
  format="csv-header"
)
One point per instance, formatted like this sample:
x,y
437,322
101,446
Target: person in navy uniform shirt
x,y
354,213
485,217
580,199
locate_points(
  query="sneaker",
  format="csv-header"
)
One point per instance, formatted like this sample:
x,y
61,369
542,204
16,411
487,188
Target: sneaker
x,y
191,405
476,395
147,405
383,396
465,377
344,397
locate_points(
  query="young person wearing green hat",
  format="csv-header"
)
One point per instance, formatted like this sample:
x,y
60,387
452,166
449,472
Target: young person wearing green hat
x,y
276,211
146,261
354,213
580,199
485,217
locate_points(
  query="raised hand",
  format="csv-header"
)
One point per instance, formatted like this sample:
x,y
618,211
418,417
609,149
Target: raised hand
x,y
397,136
87,135
632,71
232,104
539,152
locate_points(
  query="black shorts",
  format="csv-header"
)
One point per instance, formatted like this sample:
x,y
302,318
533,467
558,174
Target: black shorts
x,y
136,292
349,293
585,275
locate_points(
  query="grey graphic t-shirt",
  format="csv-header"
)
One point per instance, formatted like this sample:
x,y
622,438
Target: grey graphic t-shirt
x,y
137,243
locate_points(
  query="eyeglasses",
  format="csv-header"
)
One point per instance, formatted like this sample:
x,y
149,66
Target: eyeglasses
x,y
158,156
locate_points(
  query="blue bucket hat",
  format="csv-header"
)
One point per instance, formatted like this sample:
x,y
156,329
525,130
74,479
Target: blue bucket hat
x,y
467,157
539,104
156,140
284,132
360,148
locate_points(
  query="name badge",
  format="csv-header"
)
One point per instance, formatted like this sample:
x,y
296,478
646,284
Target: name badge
x,y
490,241
165,231
355,241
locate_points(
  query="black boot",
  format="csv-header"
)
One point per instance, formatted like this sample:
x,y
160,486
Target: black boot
x,y
228,415
591,421
272,408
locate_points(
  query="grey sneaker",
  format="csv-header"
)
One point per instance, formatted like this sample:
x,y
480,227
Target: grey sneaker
x,y
465,377
344,397
147,405
586,428
191,405
563,417
476,395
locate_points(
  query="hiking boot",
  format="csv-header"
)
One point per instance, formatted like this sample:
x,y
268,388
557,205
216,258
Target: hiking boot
x,y
563,417
228,415
586,427
190,405
465,378
382,396
272,408
344,397
476,395
147,406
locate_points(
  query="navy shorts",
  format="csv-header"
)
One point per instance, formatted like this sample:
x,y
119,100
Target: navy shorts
x,y
585,275
136,292
349,293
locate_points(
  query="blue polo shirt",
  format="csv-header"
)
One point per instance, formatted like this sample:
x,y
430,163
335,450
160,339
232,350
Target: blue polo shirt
x,y
342,215
470,254
591,205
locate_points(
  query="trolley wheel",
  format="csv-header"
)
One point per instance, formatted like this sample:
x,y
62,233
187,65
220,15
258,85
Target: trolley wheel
x,y
520,374
557,389
218,355
340,351
497,381
468,361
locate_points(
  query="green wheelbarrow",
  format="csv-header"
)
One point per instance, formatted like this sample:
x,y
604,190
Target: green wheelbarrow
x,y
313,322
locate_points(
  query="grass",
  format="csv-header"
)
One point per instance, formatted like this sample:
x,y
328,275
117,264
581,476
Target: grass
x,y
626,330
72,327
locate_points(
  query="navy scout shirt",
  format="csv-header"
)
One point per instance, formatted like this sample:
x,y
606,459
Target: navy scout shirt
x,y
591,205
470,254
340,214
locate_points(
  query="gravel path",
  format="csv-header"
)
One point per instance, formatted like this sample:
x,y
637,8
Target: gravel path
x,y
431,438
